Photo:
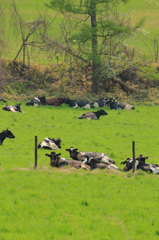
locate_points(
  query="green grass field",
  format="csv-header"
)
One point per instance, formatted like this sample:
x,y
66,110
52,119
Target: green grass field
x,y
135,10
60,204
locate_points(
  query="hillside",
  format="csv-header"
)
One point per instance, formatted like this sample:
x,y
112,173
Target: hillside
x,y
142,47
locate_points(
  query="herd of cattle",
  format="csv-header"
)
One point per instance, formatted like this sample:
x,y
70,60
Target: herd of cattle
x,y
81,159
110,102
85,104
84,159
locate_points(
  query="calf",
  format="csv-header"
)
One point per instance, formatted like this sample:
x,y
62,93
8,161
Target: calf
x,y
15,108
81,155
140,164
50,143
57,161
93,115
5,134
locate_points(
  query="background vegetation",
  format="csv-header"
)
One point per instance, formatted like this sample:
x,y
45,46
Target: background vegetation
x,y
61,204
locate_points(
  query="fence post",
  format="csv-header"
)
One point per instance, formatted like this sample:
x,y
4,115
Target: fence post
x,y
133,156
36,153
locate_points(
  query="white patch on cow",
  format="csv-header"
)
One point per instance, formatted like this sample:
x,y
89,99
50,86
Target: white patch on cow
x,y
113,166
96,104
82,153
136,164
76,106
12,109
154,169
128,107
87,106
85,160
105,159
49,143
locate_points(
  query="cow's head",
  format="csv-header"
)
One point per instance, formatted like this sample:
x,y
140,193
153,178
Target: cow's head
x,y
42,100
141,158
54,158
73,152
8,133
18,108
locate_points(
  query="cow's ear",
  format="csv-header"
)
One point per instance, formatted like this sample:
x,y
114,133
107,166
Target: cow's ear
x,y
47,155
67,149
58,154
76,149
123,162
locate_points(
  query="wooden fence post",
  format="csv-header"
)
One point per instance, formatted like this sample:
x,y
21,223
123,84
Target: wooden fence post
x,y
133,156
36,153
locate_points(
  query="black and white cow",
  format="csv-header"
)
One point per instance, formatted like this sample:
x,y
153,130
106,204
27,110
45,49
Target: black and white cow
x,y
93,115
140,164
15,108
102,102
82,155
50,143
5,134
57,161
80,104
37,101
115,105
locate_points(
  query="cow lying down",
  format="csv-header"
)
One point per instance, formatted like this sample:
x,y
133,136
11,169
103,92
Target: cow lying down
x,y
50,143
115,105
57,161
88,163
93,159
15,108
93,115
140,164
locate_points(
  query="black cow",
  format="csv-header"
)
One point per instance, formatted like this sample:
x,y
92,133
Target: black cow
x,y
15,108
57,161
50,143
93,115
5,134
82,155
140,164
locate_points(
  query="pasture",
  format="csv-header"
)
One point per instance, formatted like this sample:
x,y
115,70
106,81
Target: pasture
x,y
61,204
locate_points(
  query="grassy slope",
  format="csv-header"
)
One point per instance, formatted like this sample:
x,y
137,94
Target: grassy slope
x,y
136,9
55,204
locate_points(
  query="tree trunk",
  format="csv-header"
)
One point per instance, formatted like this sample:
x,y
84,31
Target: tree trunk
x,y
94,45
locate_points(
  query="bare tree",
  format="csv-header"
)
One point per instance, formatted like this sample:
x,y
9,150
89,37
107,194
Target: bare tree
x,y
30,33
